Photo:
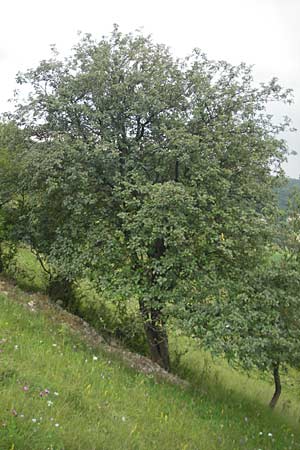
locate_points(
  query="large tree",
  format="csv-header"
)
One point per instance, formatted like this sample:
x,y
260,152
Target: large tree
x,y
163,169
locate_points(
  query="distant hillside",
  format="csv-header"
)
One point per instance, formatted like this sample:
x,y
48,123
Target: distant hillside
x,y
285,190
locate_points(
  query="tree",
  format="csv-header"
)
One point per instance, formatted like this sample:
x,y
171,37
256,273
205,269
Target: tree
x,y
254,322
12,145
40,217
291,230
161,167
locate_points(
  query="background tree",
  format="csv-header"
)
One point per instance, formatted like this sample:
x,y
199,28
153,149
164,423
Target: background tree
x,y
44,212
292,224
253,323
162,169
12,147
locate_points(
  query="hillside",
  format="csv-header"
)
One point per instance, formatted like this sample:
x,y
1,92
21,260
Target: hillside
x,y
285,190
62,387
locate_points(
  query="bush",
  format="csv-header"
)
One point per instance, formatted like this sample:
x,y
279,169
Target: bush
x,y
118,319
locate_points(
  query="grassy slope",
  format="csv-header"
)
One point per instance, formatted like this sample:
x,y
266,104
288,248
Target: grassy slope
x,y
104,405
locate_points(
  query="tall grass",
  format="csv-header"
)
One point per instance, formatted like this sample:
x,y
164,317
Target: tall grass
x,y
26,271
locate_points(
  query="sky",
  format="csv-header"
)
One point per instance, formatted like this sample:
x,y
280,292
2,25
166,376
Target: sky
x,y
262,33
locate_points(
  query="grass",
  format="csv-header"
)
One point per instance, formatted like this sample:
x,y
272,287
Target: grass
x,y
27,271
103,404
252,388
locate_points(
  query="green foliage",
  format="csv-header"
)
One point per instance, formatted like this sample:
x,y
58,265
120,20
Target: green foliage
x,y
147,173
12,145
255,323
114,318
285,191
292,225
26,271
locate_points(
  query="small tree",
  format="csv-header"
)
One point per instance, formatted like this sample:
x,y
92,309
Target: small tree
x,y
161,167
41,217
253,321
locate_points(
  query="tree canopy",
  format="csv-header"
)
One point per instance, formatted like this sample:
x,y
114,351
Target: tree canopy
x,y
147,172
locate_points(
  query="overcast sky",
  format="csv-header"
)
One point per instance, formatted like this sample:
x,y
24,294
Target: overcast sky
x,y
265,33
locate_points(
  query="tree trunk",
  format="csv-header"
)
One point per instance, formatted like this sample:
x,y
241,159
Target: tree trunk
x,y
154,321
156,335
277,383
